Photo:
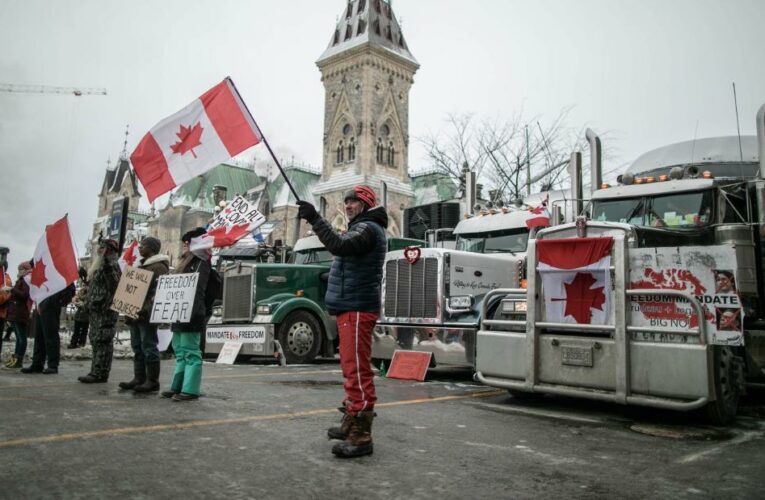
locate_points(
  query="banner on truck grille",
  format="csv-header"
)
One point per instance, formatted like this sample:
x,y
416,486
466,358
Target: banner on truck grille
x,y
576,279
708,272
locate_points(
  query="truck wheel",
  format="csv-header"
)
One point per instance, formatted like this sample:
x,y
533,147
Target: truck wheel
x,y
727,384
300,337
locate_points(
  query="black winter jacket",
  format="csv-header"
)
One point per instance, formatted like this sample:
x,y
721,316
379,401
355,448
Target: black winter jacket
x,y
356,272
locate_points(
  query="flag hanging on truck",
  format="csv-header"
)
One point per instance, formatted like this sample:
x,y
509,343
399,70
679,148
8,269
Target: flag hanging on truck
x,y
539,216
576,279
210,130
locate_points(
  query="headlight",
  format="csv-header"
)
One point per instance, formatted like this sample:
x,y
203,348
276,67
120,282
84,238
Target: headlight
x,y
264,309
460,302
513,306
217,311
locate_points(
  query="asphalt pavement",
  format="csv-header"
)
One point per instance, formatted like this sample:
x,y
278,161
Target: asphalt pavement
x,y
259,431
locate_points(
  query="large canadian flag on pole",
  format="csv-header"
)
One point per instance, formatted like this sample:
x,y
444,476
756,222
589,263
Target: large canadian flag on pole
x,y
210,130
576,279
55,262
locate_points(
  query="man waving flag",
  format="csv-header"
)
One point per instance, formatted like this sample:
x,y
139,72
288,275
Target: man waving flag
x,y
210,130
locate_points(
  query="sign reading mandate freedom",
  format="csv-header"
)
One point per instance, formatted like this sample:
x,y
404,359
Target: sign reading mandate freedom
x,y
131,291
174,298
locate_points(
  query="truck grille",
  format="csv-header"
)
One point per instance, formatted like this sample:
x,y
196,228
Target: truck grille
x,y
411,290
237,294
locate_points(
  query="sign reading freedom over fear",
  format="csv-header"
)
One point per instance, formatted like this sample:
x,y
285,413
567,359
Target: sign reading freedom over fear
x,y
174,298
131,291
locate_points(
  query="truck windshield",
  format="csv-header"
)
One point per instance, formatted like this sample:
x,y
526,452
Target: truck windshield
x,y
669,210
314,256
507,241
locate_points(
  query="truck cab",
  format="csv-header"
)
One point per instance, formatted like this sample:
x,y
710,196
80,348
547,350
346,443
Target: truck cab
x,y
668,315
432,296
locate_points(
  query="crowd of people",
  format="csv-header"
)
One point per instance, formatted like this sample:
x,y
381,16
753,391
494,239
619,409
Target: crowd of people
x,y
94,320
353,296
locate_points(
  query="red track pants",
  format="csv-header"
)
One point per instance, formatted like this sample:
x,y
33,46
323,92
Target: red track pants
x,y
355,331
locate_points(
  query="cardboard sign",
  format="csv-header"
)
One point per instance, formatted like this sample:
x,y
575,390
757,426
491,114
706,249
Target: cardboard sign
x,y
131,291
409,365
238,211
174,298
228,353
706,272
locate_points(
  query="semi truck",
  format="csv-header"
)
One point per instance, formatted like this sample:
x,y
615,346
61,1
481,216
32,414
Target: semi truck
x,y
278,309
653,296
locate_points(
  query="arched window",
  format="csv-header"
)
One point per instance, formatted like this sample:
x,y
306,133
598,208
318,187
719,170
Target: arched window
x,y
391,155
352,149
340,153
380,151
322,206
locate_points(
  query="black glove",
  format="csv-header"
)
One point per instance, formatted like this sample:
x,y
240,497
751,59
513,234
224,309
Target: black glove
x,y
307,211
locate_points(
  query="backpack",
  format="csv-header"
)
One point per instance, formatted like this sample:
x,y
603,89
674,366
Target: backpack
x,y
214,291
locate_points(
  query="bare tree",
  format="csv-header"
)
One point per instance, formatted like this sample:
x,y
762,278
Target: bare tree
x,y
500,151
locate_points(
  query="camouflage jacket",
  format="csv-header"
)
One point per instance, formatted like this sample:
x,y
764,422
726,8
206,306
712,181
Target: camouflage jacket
x,y
102,286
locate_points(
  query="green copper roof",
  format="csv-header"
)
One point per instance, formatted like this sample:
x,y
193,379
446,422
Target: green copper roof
x,y
236,179
303,180
433,187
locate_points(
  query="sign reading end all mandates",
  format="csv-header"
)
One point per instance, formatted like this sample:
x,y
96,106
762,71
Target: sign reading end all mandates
x,y
174,298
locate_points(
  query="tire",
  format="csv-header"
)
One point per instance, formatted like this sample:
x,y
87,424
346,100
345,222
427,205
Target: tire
x,y
523,395
300,336
727,383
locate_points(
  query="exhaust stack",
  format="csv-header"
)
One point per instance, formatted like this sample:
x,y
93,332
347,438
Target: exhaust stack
x,y
575,174
471,197
596,167
761,139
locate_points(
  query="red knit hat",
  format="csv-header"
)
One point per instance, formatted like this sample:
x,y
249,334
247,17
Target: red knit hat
x,y
362,193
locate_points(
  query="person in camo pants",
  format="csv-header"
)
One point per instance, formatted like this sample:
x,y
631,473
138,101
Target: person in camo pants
x,y
105,275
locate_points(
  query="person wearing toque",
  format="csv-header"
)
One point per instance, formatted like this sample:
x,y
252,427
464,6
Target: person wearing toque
x,y
187,376
143,335
353,295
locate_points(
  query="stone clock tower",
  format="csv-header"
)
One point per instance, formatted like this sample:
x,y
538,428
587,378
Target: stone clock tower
x,y
367,71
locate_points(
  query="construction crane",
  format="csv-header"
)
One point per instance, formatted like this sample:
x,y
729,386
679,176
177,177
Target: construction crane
x,y
43,89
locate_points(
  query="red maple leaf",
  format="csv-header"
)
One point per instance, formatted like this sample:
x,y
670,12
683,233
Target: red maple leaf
x,y
580,298
189,139
224,236
38,274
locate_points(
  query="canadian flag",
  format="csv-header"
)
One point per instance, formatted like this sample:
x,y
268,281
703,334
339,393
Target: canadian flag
x,y
222,236
212,129
129,256
538,216
55,262
576,279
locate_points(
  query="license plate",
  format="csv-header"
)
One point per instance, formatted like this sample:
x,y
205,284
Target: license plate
x,y
243,334
576,356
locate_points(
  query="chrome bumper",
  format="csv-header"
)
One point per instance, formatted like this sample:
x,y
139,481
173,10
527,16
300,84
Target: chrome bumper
x,y
450,345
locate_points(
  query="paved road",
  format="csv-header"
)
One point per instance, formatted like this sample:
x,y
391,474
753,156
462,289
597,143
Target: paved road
x,y
259,431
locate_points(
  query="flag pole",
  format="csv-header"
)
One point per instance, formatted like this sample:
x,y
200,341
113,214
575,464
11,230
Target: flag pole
x,y
263,136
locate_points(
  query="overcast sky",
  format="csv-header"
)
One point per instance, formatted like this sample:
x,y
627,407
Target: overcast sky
x,y
650,72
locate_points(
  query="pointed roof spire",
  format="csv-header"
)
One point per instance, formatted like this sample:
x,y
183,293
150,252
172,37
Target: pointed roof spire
x,y
368,22
123,154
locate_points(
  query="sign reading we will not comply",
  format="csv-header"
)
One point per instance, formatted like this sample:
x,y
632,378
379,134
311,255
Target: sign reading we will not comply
x,y
174,298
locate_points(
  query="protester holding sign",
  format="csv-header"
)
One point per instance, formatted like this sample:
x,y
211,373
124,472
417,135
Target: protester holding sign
x,y
187,377
105,274
143,335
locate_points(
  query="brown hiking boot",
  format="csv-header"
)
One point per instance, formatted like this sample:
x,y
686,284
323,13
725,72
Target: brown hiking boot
x,y
342,431
359,441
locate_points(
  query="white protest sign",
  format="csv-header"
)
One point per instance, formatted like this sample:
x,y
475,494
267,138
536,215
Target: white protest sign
x,y
228,353
174,298
238,211
131,291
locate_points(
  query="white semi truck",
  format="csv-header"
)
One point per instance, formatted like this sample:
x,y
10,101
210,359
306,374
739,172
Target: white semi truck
x,y
653,299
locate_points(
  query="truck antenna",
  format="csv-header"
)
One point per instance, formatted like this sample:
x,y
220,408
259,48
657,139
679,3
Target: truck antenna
x,y
738,126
